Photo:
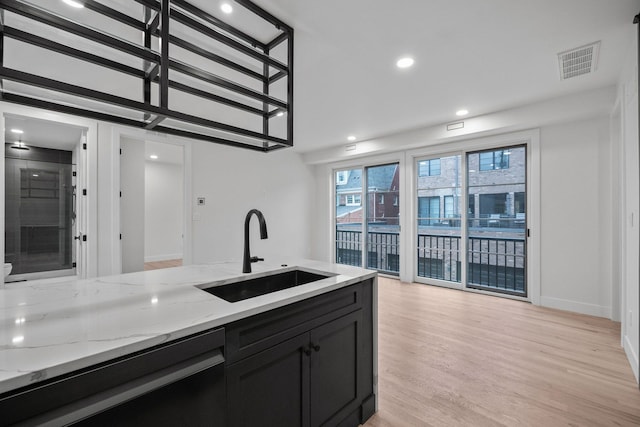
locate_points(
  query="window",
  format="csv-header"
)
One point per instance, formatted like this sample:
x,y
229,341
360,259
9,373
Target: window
x,y
428,210
342,177
381,199
395,200
493,204
494,160
448,207
429,167
354,199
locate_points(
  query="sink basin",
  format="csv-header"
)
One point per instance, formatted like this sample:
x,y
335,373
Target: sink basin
x,y
250,288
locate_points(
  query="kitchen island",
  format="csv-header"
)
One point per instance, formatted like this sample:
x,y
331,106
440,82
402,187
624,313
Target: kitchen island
x,y
54,328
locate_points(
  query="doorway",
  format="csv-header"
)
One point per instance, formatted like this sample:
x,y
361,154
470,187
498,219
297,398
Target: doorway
x,y
152,219
471,220
43,219
367,203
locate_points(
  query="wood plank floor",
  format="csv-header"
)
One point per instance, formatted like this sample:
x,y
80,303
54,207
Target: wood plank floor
x,y
452,358
155,265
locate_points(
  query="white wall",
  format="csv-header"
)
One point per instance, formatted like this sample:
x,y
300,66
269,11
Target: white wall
x,y
164,217
576,217
132,219
234,181
629,208
573,185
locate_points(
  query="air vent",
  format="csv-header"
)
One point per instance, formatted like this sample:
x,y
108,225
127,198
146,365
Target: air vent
x,y
579,61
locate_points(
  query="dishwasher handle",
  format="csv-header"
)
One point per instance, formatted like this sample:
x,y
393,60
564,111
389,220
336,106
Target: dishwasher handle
x,y
138,387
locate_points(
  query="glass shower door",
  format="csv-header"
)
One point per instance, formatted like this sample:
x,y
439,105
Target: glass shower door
x,y
39,212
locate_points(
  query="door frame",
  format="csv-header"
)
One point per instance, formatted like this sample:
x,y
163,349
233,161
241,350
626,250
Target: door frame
x,y
114,245
363,163
87,257
529,139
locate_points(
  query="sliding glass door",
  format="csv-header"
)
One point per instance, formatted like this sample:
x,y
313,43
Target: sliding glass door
x,y
348,216
367,217
383,218
438,218
496,223
471,228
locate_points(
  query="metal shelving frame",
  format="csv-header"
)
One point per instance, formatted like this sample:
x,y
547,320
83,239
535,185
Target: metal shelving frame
x,y
157,65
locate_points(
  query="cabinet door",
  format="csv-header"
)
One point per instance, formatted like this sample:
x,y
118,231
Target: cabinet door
x,y
334,369
271,387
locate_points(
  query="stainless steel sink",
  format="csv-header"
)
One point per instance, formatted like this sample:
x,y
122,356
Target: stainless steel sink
x,y
250,288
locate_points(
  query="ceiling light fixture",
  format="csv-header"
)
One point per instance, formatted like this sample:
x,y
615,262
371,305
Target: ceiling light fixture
x,y
462,112
74,3
226,8
18,131
280,114
405,62
351,138
153,157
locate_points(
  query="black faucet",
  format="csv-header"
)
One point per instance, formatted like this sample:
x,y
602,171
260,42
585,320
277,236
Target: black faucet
x,y
248,259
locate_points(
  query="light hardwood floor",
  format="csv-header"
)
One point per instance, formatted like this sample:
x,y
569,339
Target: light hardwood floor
x,y
155,265
452,358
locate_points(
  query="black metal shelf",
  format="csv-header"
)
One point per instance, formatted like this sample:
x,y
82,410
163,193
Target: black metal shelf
x,y
154,62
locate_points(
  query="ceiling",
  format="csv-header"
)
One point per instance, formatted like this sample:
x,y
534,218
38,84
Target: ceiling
x,y
484,56
41,133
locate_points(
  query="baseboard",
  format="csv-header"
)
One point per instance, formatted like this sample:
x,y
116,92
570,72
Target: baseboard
x,y
633,358
575,306
155,258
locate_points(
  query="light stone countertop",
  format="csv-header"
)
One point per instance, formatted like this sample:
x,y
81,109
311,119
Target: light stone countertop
x,y
55,326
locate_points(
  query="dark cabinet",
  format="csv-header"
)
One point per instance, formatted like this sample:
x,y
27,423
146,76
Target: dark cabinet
x,y
333,372
309,380
322,375
268,388
180,383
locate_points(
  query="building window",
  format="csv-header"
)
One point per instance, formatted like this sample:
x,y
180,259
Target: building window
x,y
428,210
395,200
381,199
494,160
342,177
354,199
449,211
429,167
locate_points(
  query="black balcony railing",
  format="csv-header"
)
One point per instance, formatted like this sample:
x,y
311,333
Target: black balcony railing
x,y
497,264
383,250
493,263
439,257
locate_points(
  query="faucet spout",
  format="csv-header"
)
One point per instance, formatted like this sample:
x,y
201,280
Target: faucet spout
x,y
247,259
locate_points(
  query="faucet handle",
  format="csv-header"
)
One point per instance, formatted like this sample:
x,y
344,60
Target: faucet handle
x,y
256,259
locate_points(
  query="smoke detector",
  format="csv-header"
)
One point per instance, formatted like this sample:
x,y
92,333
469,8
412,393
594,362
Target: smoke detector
x,y
578,61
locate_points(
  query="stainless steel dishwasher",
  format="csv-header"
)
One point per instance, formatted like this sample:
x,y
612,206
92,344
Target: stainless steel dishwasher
x,y
180,383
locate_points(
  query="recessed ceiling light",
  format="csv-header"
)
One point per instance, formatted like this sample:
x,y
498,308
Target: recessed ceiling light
x,y
351,138
405,62
462,112
74,3
19,131
280,114
226,8
153,157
